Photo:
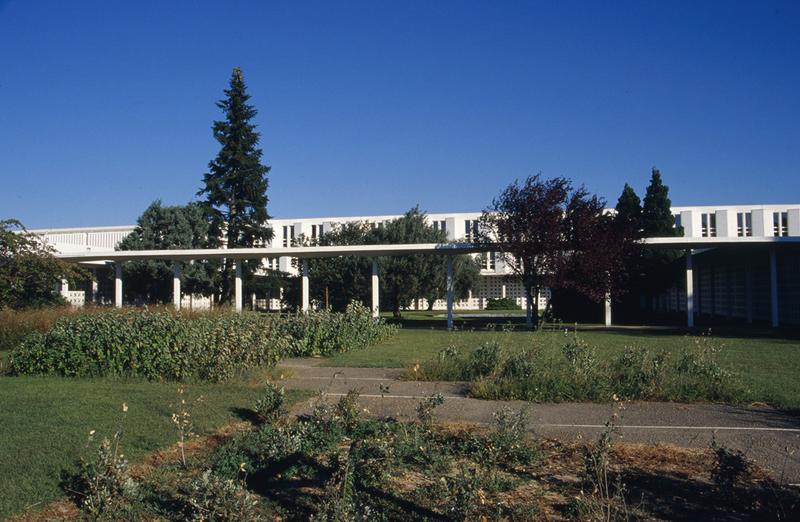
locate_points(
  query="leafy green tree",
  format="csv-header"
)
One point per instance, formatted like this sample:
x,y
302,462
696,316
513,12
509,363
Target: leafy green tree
x,y
29,272
403,279
466,276
235,185
168,227
338,281
657,218
406,278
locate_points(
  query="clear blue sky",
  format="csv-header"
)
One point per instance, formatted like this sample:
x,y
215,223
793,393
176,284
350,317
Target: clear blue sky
x,y
373,107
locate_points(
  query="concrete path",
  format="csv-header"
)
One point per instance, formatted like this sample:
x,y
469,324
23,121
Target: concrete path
x,y
769,437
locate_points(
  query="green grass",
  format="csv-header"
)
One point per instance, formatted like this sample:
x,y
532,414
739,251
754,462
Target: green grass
x,y
45,421
769,365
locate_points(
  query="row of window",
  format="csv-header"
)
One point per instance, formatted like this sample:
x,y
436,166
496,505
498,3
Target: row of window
x,y
744,224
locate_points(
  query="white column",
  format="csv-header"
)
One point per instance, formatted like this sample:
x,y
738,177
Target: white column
x,y
608,309
773,286
689,290
304,305
95,286
64,288
237,287
118,284
449,292
375,289
176,285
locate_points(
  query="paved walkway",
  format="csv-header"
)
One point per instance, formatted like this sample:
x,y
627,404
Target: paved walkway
x,y
770,437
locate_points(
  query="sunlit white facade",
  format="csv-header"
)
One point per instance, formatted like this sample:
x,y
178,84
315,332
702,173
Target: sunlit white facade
x,y
733,284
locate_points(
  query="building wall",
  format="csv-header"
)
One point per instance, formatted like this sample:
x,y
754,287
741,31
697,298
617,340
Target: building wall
x,y
735,286
722,288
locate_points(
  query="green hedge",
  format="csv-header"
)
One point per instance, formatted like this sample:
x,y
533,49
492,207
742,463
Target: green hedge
x,y
163,345
502,303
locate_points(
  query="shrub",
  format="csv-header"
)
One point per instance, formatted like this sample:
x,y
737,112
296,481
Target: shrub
x,y
482,361
502,303
272,405
324,333
731,468
509,437
425,409
574,372
164,345
639,374
103,487
211,498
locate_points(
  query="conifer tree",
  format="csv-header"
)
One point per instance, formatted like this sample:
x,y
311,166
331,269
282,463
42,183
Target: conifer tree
x,y
629,211
235,185
657,218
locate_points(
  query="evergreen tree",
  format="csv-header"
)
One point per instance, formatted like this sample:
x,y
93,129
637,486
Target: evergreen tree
x,y
629,211
236,184
657,218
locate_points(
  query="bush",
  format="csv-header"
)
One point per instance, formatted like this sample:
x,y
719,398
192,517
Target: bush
x,y
167,345
211,498
324,333
574,372
272,405
502,303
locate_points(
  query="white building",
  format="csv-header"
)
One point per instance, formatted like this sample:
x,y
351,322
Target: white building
x,y
727,285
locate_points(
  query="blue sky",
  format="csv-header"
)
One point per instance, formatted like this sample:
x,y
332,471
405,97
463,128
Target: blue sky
x,y
373,107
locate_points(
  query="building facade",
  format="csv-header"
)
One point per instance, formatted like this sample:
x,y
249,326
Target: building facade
x,y
733,285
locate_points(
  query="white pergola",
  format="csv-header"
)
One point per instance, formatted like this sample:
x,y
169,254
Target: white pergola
x,y
688,244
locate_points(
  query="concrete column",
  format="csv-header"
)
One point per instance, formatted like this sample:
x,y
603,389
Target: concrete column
x,y
449,292
64,288
95,287
304,303
237,287
118,285
375,289
176,285
608,310
503,291
689,290
773,286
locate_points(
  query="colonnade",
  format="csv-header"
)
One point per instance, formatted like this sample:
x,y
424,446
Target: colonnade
x,y
238,297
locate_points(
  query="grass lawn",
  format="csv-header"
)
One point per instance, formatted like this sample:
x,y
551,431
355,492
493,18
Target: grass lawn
x,y
45,421
769,365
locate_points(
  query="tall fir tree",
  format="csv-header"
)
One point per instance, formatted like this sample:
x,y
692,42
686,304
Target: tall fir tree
x,y
657,218
629,211
236,183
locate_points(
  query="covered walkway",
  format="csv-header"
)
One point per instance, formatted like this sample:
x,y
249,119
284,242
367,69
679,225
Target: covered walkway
x,y
688,244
